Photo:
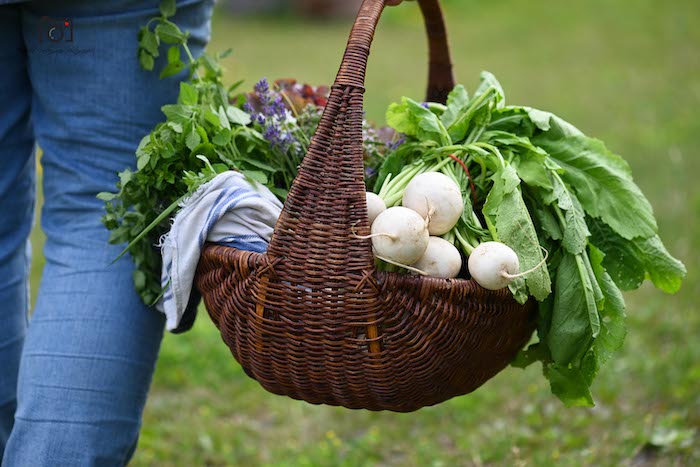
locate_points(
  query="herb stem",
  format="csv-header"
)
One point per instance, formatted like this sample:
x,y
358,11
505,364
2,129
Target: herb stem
x,y
187,51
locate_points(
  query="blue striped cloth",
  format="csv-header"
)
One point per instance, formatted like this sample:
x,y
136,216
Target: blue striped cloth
x,y
228,211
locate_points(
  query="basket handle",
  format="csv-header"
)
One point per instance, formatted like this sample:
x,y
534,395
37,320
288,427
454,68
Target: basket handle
x,y
440,76
327,199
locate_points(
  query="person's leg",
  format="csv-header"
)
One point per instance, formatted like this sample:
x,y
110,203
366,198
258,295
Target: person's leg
x,y
16,207
91,346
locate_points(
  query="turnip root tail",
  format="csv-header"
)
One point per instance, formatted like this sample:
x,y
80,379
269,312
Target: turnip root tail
x,y
539,265
380,234
412,269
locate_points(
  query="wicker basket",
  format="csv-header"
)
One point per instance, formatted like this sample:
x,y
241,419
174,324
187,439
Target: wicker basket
x,y
314,320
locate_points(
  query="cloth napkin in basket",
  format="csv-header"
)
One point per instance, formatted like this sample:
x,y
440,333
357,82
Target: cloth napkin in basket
x,y
229,211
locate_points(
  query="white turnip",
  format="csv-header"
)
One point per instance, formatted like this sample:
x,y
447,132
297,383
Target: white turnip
x,y
375,206
493,265
399,235
436,197
441,259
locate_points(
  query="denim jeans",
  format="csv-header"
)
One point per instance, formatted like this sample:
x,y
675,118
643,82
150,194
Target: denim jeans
x,y
74,379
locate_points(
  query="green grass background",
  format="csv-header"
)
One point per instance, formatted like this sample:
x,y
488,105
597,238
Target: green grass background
x,y
625,71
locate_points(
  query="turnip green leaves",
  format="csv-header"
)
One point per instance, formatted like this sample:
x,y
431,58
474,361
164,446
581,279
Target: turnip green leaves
x,y
413,119
540,181
506,213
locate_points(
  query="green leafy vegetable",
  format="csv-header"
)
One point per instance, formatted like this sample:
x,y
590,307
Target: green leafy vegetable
x,y
612,322
474,118
536,181
505,210
630,261
412,119
457,100
571,384
574,222
575,321
602,182
167,8
169,33
211,128
203,135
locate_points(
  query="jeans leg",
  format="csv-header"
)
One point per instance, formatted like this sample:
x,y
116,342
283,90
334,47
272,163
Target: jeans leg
x,y
16,209
92,344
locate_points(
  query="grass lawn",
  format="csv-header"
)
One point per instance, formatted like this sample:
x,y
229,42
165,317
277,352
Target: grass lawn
x,y
626,71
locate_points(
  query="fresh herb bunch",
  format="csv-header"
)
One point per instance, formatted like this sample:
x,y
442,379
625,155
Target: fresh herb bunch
x,y
289,104
211,129
203,135
286,129
529,180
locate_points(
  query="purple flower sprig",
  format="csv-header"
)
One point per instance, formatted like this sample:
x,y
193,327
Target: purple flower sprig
x,y
262,88
393,145
289,132
276,121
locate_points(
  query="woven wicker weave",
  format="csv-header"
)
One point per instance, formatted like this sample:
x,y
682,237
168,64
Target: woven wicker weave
x,y
314,320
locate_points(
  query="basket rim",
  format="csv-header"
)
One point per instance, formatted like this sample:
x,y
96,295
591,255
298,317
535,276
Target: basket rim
x,y
225,254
